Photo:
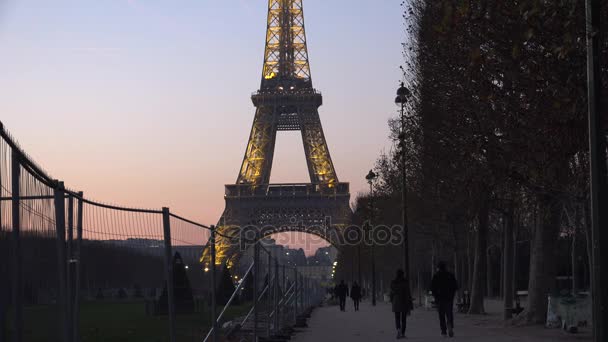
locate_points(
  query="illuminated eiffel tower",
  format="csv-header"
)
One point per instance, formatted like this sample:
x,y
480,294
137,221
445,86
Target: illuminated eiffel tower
x,y
286,101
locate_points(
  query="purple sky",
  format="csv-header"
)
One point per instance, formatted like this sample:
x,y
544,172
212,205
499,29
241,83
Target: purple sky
x,y
147,102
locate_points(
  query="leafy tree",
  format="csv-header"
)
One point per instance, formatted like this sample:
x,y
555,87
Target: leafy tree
x,y
247,294
225,287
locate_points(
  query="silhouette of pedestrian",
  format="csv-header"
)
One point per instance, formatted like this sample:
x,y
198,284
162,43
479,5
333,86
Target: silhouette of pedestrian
x,y
401,300
444,287
355,294
342,293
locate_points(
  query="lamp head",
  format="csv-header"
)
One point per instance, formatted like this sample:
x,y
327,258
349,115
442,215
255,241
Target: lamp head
x,y
402,95
371,176
403,91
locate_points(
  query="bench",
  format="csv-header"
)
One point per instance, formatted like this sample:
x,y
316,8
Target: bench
x,y
464,302
518,296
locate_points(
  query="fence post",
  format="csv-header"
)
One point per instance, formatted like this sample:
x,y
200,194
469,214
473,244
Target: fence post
x,y
69,273
4,271
285,307
284,277
307,296
256,269
302,293
62,259
213,294
315,293
296,294
77,254
311,289
310,292
269,292
305,293
17,256
169,271
275,297
301,296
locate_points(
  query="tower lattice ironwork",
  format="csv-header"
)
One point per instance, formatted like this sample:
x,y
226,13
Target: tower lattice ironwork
x,y
286,101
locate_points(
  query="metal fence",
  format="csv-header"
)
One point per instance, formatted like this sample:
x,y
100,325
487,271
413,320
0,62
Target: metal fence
x,y
282,299
74,269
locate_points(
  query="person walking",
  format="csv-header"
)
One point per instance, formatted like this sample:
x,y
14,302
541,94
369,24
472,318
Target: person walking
x,y
444,287
355,294
342,293
401,300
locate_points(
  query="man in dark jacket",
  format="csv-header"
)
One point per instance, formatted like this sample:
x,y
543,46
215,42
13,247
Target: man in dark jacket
x,y
342,293
355,294
444,287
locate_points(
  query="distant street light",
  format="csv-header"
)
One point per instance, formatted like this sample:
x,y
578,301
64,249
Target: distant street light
x,y
371,176
403,95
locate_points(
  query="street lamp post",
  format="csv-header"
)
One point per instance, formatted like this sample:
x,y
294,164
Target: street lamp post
x,y
402,97
598,177
370,179
359,260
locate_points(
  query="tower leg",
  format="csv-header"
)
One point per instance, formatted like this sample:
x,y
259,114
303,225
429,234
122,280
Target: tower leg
x,y
257,162
320,166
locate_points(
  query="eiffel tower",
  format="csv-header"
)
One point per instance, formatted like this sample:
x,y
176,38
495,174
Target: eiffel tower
x,y
286,101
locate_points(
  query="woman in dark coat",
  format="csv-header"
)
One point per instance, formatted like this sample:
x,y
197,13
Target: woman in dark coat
x,y
401,298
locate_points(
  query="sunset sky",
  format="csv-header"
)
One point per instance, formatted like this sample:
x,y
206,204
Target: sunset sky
x,y
147,103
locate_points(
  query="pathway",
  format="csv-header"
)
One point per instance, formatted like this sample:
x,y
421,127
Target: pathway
x,y
376,324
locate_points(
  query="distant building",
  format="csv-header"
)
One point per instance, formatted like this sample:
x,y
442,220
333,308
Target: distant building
x,y
190,254
324,256
284,255
320,273
145,246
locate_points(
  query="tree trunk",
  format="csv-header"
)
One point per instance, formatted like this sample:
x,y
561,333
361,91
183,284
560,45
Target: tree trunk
x,y
542,265
501,290
508,261
489,274
575,221
479,273
433,263
589,240
469,264
457,269
464,274
575,270
500,271
515,255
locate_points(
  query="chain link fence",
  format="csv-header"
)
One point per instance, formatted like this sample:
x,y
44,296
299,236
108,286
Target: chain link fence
x,y
80,270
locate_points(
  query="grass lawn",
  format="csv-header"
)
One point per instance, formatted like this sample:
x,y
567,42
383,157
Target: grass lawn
x,y
118,322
